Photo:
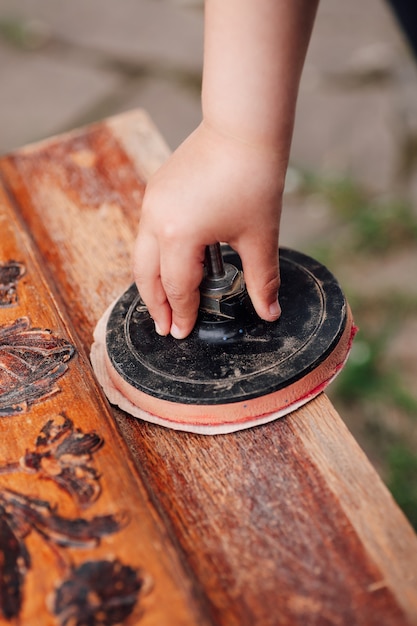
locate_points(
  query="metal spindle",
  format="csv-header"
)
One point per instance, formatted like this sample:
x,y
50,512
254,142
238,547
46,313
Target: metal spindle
x,y
214,261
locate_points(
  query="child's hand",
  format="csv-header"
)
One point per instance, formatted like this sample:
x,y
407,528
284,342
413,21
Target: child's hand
x,y
225,182
213,188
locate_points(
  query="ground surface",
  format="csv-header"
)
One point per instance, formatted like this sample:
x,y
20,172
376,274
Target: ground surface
x,y
352,186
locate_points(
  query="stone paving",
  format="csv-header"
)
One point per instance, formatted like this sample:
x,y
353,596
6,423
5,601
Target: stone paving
x,y
63,64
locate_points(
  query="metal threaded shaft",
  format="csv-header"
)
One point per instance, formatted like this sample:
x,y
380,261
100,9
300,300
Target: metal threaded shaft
x,y
214,261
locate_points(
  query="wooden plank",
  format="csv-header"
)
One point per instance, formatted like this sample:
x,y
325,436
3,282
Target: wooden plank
x,y
283,524
78,536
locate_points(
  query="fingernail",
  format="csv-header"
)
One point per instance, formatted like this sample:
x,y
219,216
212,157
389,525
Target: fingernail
x,y
275,309
176,332
158,330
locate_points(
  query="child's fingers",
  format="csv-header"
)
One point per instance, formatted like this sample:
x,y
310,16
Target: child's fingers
x,y
181,274
146,270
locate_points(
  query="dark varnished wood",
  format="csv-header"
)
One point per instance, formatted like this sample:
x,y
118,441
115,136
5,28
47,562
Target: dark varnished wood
x,y
10,273
31,362
282,524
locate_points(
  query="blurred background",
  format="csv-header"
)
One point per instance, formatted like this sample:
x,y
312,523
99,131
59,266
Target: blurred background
x,y
351,193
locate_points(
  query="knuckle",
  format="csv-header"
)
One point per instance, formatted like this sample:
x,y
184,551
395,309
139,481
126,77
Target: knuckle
x,y
184,304
271,284
173,232
174,292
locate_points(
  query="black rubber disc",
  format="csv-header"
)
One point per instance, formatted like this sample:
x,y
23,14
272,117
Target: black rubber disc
x,y
229,361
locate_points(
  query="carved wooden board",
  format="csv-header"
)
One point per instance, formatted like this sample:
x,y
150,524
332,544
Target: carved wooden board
x,y
283,524
79,541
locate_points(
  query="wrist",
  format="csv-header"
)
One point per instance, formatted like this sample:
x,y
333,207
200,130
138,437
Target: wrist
x,y
260,143
267,158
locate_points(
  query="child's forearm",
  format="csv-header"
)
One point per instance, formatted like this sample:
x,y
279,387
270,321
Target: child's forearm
x,y
253,58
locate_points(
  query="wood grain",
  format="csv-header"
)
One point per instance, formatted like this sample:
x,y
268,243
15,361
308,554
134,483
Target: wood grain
x,y
283,524
68,490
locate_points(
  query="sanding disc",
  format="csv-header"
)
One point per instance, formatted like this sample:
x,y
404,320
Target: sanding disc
x,y
234,372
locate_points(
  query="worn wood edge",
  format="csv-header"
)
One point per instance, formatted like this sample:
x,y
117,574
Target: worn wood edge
x,y
327,465
185,596
366,501
134,129
141,139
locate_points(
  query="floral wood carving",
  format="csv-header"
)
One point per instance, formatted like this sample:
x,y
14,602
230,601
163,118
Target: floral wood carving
x,y
15,561
64,454
10,273
101,593
31,361
97,593
20,515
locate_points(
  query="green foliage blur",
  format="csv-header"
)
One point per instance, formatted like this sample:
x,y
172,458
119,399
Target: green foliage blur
x,y
372,393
